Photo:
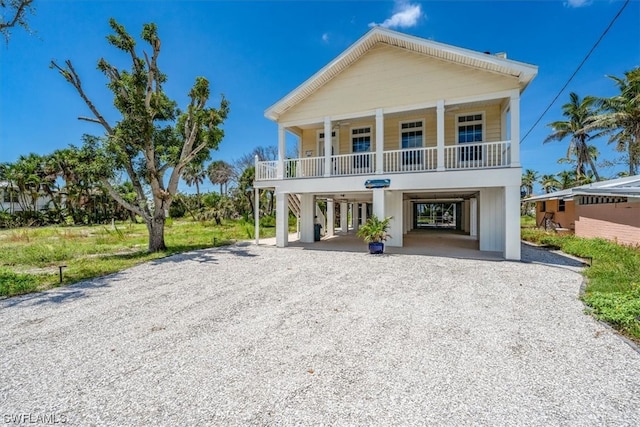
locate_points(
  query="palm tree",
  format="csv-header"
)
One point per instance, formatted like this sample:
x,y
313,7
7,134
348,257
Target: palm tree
x,y
194,173
567,179
549,183
220,172
529,178
579,114
620,117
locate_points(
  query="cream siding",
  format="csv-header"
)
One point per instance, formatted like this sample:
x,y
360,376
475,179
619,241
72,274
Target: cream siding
x,y
492,129
389,77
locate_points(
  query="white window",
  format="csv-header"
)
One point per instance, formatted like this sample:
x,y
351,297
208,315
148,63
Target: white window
x,y
361,143
412,134
411,137
470,130
321,143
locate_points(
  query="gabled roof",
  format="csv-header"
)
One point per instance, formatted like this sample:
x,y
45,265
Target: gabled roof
x,y
628,186
483,61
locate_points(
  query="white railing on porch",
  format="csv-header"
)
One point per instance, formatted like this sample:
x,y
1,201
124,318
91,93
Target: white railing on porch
x,y
477,156
266,170
306,167
410,160
353,164
484,155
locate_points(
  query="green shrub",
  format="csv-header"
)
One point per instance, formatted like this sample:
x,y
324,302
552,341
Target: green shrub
x,y
621,309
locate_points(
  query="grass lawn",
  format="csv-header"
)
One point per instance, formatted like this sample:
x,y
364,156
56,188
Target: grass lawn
x,y
613,286
30,257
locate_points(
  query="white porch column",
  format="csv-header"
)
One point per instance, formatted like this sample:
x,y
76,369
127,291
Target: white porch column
x,y
281,151
256,217
406,213
363,212
512,223
331,218
473,217
440,134
492,219
282,219
514,106
307,217
355,216
344,217
379,141
466,208
378,203
393,208
328,140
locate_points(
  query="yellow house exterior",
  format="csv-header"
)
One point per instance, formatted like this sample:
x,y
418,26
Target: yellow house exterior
x,y
436,121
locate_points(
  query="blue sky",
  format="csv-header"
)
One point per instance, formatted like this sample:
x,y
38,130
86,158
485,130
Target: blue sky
x,y
256,52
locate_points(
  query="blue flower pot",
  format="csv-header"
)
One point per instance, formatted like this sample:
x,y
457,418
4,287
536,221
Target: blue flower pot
x,y
376,247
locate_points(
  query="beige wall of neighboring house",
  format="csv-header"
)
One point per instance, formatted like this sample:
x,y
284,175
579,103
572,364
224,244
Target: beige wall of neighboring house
x,y
612,221
565,218
388,76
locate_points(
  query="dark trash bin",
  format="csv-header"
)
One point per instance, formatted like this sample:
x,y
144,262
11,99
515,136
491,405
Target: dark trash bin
x,y
316,232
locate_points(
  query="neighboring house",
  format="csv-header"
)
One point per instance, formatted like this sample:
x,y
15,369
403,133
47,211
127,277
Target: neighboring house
x,y
440,123
11,200
606,209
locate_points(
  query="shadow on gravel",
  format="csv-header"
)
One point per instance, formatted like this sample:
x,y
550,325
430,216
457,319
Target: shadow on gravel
x,y
207,255
60,295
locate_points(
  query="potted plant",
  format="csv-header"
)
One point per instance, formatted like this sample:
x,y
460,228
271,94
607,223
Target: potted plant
x,y
374,232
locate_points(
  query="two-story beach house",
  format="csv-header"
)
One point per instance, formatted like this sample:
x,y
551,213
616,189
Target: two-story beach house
x,y
403,127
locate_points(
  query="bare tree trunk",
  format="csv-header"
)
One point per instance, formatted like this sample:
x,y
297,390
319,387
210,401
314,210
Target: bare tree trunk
x,y
156,232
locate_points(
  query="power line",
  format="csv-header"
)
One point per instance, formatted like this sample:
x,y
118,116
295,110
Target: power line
x,y
576,71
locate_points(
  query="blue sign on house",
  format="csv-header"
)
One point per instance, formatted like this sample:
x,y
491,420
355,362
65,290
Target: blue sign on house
x,y
377,183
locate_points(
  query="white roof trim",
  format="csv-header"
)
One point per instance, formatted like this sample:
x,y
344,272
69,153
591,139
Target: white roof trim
x,y
628,186
524,72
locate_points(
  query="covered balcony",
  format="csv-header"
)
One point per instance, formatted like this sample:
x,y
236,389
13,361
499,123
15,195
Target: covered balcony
x,y
476,134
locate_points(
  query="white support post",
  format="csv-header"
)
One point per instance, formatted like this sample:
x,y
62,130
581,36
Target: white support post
x,y
473,217
307,218
512,223
440,135
281,151
331,218
282,220
514,107
328,141
379,141
363,212
355,216
256,218
378,203
344,217
393,209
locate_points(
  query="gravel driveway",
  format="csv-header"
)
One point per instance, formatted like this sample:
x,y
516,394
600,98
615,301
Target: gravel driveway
x,y
259,335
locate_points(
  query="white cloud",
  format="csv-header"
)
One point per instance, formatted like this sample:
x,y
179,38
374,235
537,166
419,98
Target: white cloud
x,y
577,3
325,37
405,15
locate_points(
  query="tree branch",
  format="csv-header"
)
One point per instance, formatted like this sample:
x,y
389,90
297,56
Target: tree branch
x,y
72,77
118,198
17,17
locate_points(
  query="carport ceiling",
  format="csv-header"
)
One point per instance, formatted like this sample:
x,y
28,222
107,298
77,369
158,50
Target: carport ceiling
x,y
365,196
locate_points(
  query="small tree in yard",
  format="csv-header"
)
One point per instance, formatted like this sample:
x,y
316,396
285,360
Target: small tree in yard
x,y
153,136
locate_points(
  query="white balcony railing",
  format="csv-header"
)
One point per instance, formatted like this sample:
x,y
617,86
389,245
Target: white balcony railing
x,y
266,170
478,156
484,155
410,160
306,167
353,164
